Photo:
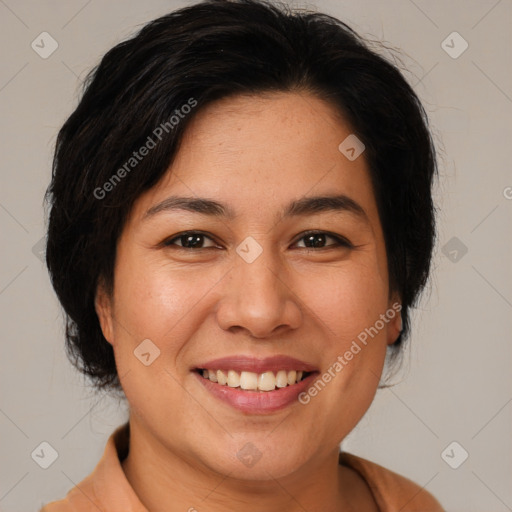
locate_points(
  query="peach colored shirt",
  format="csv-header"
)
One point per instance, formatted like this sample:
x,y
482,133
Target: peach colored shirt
x,y
106,489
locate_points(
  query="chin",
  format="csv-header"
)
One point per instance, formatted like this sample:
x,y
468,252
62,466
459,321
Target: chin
x,y
258,457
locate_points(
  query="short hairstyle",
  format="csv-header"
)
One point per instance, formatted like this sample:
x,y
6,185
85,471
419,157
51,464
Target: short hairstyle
x,y
193,56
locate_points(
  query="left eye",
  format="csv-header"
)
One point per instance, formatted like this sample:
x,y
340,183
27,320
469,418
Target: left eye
x,y
317,238
312,240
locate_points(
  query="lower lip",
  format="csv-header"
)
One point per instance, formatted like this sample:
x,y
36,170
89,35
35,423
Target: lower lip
x,y
258,402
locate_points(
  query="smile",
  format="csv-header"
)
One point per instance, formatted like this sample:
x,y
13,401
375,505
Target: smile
x,y
251,381
257,401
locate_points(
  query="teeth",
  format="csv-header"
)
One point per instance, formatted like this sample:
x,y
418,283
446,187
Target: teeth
x,y
281,379
233,379
222,378
248,380
267,381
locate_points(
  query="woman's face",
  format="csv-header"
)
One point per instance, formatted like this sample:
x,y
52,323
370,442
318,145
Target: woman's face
x,y
253,285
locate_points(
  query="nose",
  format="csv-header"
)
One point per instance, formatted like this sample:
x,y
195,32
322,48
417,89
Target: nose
x,y
258,298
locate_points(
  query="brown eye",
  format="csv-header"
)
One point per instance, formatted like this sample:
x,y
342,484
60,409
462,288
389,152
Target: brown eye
x,y
317,240
190,240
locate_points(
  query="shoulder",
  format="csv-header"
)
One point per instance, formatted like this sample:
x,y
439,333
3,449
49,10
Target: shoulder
x,y
80,498
390,490
105,485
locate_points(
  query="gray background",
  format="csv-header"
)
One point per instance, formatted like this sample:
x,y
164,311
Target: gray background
x,y
456,384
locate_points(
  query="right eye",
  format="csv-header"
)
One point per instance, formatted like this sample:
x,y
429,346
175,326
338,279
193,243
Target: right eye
x,y
189,240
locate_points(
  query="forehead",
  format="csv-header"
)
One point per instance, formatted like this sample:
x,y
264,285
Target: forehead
x,y
258,153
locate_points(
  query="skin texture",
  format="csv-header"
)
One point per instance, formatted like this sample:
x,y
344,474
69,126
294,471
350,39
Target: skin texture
x,y
254,154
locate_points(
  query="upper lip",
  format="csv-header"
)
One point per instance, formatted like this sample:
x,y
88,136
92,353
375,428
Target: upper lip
x,y
242,363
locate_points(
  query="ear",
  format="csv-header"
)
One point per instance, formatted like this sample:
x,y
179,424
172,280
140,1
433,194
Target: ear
x,y
394,313
103,306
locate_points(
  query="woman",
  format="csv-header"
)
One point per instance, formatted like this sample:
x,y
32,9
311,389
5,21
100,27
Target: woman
x,y
241,219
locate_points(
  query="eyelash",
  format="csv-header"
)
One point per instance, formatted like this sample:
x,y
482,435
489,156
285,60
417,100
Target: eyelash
x,y
340,241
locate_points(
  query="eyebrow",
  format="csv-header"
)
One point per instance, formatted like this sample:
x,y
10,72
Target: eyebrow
x,y
299,207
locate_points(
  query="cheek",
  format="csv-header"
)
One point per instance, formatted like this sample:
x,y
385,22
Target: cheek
x,y
347,301
163,305
154,301
348,305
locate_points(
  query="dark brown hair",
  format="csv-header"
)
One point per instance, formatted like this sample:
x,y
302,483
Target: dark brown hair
x,y
207,51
